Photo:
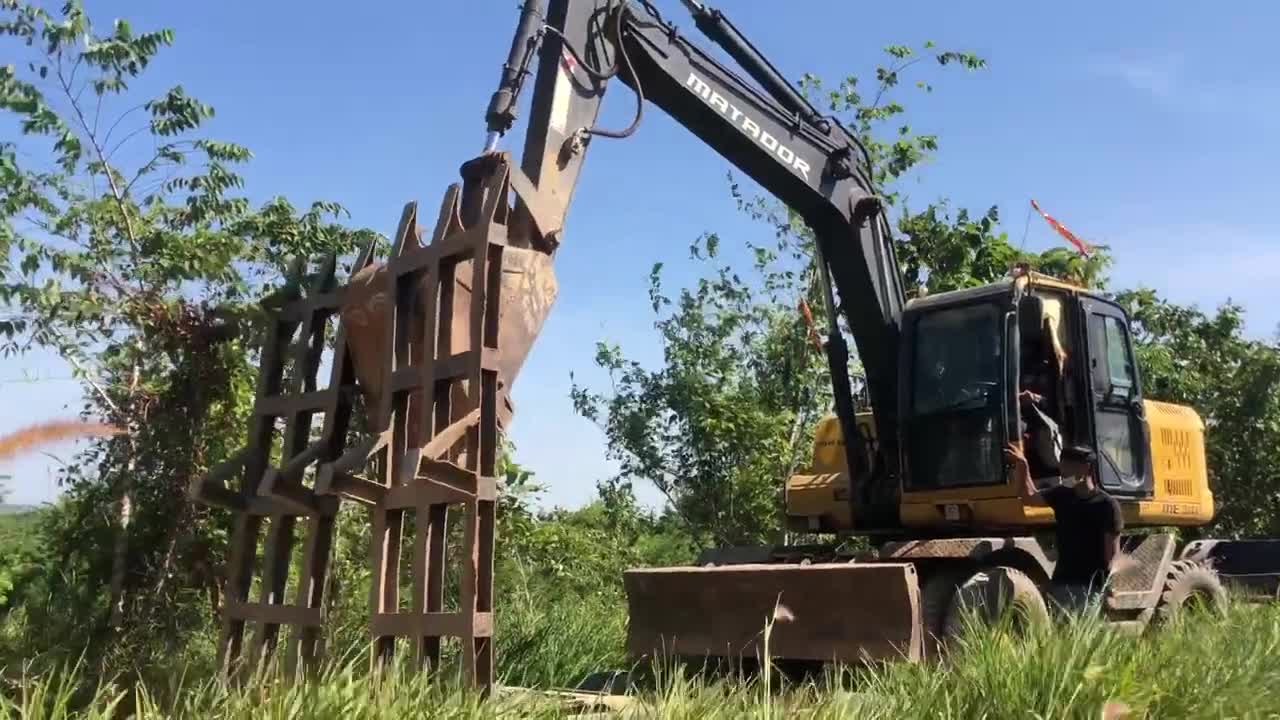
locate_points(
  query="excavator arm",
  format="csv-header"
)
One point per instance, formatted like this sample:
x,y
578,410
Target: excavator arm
x,y
766,129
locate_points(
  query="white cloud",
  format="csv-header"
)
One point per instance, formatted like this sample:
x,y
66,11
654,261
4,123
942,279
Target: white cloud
x,y
1158,75
1205,265
1168,79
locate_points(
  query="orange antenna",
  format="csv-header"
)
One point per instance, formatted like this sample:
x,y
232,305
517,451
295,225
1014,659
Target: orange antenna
x,y
1084,247
808,320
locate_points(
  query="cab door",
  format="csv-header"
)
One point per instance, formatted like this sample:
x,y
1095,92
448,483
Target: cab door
x,y
1120,431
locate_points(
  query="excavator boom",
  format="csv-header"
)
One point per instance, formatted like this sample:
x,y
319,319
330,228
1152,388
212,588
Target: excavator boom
x,y
768,130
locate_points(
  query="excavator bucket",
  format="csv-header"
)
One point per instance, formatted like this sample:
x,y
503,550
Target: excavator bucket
x,y
528,289
828,612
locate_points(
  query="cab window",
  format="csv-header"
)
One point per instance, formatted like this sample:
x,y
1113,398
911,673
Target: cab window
x,y
1112,362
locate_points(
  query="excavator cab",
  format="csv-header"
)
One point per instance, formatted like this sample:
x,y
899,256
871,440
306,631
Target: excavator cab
x,y
1033,360
985,369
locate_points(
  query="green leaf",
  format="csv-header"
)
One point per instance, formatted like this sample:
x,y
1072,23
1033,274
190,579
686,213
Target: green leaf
x,y
176,112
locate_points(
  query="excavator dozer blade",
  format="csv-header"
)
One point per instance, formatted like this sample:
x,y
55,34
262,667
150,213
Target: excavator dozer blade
x,y
830,612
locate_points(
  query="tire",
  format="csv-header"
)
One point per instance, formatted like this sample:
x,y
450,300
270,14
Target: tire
x,y
935,600
992,592
1190,584
608,682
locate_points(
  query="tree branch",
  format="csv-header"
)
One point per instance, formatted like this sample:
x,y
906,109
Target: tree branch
x,y
71,78
106,167
97,387
875,104
97,112
68,353
110,274
107,138
153,165
126,139
54,458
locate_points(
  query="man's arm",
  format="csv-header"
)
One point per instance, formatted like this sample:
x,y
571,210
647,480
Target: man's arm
x,y
1111,550
1111,537
1031,495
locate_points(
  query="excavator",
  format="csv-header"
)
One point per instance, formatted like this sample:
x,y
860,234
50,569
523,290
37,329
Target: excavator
x,y
919,477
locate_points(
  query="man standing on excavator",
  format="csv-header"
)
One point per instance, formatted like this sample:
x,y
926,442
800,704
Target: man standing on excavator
x,y
1088,525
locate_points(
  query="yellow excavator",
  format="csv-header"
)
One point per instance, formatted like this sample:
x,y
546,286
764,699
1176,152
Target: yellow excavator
x,y
963,525
920,473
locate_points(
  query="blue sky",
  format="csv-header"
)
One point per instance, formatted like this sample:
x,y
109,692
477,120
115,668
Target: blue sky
x,y
1146,126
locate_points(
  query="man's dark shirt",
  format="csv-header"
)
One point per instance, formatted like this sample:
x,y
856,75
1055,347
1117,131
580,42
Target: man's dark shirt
x,y
1082,523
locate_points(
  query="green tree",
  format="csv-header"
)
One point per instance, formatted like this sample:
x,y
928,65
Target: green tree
x,y
18,549
729,413
893,146
1206,361
937,253
131,253
711,428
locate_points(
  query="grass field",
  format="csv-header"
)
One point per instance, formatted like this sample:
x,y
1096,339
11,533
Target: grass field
x,y
1218,668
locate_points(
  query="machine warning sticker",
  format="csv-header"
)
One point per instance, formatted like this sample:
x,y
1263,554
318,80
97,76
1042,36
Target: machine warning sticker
x,y
561,95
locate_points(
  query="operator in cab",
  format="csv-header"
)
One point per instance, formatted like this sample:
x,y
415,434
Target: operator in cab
x,y
1088,525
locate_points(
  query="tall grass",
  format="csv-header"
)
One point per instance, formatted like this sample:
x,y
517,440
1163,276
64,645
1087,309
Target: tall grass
x,y
1220,668
1215,668
557,644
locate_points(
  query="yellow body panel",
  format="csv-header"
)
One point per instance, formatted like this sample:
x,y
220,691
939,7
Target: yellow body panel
x,y
828,442
1182,495
1041,280
819,503
1012,513
818,500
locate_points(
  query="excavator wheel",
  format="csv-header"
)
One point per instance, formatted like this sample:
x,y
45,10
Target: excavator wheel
x,y
1190,587
935,600
991,592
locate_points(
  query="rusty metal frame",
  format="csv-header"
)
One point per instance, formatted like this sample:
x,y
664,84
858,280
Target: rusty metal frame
x,y
278,495
463,311
437,425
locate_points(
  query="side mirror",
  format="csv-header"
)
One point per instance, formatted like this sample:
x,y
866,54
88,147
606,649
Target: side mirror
x,y
1120,391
